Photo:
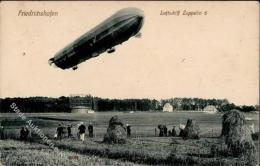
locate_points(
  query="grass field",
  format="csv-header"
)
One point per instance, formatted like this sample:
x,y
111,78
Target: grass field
x,y
143,124
19,153
144,147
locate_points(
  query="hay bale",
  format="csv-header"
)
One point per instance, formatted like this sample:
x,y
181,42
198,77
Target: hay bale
x,y
191,130
115,135
116,132
237,136
115,121
232,119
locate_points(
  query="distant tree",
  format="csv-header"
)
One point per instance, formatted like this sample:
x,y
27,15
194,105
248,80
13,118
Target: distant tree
x,y
245,108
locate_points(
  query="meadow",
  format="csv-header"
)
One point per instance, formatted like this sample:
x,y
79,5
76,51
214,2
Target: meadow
x,y
143,124
14,152
145,147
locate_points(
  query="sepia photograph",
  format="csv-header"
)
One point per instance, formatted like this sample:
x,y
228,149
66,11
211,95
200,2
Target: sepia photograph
x,y
128,83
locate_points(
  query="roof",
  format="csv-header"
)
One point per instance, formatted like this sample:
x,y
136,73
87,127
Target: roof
x,y
210,108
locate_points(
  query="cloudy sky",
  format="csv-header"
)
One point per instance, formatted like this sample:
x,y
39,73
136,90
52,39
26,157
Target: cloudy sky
x,y
207,56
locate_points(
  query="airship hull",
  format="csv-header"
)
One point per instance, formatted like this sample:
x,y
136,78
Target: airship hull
x,y
115,30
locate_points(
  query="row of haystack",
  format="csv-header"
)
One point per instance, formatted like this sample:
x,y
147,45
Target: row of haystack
x,y
235,135
116,131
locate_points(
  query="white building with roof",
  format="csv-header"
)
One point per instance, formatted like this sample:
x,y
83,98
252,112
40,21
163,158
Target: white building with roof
x,y
210,109
167,107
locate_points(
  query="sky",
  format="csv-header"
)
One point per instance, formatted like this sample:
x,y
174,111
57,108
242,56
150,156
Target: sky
x,y
207,56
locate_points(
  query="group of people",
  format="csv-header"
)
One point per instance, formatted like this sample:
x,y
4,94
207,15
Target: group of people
x,y
164,132
81,131
60,131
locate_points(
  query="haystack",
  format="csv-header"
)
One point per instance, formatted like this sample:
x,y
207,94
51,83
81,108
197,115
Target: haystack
x,y
232,119
115,121
237,136
116,132
191,130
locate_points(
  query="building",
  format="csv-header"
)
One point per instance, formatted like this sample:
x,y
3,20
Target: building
x,y
81,104
210,109
167,107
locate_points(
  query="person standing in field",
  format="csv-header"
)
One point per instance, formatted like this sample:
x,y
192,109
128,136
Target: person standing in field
x,y
181,128
2,132
91,130
174,132
165,130
160,127
82,129
59,132
128,130
27,132
169,133
69,131
23,134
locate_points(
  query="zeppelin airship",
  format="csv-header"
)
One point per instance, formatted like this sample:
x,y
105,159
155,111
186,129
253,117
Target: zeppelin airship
x,y
118,28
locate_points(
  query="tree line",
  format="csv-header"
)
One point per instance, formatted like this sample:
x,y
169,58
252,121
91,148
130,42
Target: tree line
x,y
198,104
66,104
125,104
36,104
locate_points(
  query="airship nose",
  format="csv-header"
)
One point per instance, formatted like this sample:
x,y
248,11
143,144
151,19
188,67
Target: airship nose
x,y
140,15
140,19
